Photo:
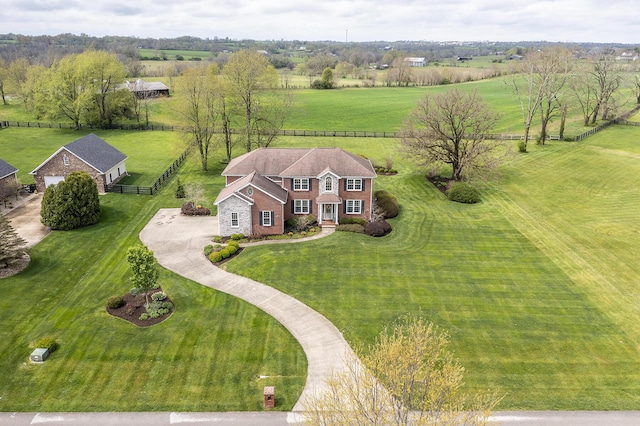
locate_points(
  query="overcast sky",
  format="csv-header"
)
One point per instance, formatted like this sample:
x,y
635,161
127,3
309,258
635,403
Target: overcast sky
x,y
339,20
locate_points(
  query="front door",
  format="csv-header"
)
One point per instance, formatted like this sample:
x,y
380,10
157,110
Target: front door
x,y
328,213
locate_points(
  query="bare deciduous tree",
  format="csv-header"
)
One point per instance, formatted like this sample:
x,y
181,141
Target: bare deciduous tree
x,y
594,86
450,128
198,109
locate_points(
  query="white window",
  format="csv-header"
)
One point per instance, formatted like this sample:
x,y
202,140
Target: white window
x,y
65,160
266,218
354,184
234,220
302,206
301,184
328,184
354,206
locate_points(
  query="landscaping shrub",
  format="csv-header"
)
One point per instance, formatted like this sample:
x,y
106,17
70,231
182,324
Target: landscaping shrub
x,y
462,192
387,203
115,302
72,203
180,193
301,223
208,249
377,229
522,146
233,243
134,291
190,209
216,256
354,227
237,237
48,343
352,221
158,296
217,239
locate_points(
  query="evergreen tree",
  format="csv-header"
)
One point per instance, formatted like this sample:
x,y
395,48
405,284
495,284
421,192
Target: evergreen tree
x,y
12,247
72,203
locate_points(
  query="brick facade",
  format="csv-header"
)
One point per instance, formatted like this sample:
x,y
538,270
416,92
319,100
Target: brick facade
x,y
58,166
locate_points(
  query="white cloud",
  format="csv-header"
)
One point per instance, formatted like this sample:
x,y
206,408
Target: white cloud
x,y
502,20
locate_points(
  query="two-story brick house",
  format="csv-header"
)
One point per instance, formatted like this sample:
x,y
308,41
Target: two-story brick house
x,y
268,186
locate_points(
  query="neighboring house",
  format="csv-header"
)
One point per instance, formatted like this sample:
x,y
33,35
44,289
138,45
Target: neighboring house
x,y
268,186
8,179
142,89
415,62
104,163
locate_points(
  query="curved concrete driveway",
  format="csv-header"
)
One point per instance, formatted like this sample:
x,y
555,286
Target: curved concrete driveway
x,y
177,242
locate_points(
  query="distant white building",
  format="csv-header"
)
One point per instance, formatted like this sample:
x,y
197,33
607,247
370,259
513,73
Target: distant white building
x,y
415,61
627,56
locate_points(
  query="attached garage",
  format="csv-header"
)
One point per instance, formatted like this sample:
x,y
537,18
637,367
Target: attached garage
x,y
52,180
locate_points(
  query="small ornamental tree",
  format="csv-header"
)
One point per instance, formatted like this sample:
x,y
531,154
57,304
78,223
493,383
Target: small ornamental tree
x,y
12,247
72,203
144,268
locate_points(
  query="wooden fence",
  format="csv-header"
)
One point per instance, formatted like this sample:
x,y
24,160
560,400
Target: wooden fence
x,y
159,183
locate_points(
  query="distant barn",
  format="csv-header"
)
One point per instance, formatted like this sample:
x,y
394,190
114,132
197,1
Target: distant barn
x,y
142,89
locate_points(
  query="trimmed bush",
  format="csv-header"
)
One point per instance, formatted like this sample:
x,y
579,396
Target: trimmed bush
x,y
208,249
354,227
48,343
352,221
158,296
233,243
462,192
237,237
387,203
189,209
522,146
377,229
216,256
115,302
72,203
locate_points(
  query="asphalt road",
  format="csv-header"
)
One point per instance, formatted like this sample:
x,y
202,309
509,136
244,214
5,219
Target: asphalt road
x,y
507,418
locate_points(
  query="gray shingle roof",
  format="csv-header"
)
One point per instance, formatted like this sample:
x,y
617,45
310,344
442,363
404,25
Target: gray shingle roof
x,y
6,169
96,152
297,162
257,181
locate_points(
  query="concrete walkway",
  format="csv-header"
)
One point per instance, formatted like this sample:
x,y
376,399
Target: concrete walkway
x,y
24,217
178,242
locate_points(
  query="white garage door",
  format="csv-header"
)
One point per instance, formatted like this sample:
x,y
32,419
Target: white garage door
x,y
52,180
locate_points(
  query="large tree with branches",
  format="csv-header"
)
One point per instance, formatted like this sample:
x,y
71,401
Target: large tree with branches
x,y
452,128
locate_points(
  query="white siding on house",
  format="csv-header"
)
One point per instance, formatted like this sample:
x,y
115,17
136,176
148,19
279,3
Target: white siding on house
x,y
113,172
225,208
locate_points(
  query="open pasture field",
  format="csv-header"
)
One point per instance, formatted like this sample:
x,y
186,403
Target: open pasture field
x,y
536,285
173,53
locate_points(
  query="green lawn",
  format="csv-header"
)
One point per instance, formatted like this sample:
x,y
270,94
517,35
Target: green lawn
x,y
207,357
535,285
149,153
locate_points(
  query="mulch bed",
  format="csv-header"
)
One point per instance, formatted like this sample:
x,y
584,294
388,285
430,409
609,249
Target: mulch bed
x,y
16,267
134,307
441,183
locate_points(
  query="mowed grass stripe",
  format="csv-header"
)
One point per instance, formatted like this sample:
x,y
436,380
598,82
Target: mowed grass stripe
x,y
516,318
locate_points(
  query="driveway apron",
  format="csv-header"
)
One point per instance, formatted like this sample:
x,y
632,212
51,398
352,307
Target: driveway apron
x,y
178,241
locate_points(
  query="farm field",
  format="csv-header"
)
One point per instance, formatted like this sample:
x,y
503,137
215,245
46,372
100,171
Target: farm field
x,y
535,284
